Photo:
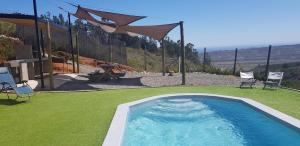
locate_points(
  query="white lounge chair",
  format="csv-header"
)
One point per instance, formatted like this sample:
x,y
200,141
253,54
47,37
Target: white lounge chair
x,y
8,84
274,79
247,78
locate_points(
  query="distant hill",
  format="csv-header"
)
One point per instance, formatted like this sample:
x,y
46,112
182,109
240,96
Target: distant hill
x,y
250,58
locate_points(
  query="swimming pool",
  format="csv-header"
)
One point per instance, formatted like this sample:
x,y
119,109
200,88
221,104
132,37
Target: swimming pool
x,y
195,120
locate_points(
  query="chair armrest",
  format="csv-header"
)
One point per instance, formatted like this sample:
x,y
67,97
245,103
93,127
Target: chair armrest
x,y
6,85
24,82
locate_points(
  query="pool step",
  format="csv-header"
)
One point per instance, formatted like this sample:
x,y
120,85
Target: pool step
x,y
178,109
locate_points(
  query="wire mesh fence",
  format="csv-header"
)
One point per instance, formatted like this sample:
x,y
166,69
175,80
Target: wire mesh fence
x,y
92,46
282,59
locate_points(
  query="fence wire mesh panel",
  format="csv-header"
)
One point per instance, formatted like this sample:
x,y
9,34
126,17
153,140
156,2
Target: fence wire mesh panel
x,y
284,58
98,47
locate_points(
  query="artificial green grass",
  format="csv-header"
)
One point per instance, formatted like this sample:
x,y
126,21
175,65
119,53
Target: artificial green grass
x,y
83,118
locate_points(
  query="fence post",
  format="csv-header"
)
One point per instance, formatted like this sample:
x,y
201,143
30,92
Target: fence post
x,y
71,42
235,58
163,57
182,52
268,62
145,57
204,59
51,81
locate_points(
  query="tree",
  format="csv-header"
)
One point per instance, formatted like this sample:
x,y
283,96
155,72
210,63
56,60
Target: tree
x,y
62,20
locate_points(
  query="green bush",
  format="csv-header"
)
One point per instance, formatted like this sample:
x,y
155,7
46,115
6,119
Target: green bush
x,y
7,51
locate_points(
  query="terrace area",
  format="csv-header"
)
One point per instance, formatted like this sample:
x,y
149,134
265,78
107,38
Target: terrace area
x,y
64,77
83,118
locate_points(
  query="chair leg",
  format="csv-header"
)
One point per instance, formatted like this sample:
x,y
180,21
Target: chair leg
x,y
241,85
7,95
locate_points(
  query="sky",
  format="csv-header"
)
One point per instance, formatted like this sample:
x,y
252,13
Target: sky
x,y
207,23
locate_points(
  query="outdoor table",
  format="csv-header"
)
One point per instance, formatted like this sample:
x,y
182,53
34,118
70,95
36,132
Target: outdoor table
x,y
108,71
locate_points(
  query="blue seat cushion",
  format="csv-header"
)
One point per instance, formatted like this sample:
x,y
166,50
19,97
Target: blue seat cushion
x,y
23,90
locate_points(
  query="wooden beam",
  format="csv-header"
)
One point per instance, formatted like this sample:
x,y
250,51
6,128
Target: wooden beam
x,y
144,46
182,53
77,47
163,49
110,48
235,58
71,42
179,64
42,43
145,57
51,81
17,16
268,62
38,44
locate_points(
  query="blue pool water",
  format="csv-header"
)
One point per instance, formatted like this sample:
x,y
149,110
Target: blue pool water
x,y
204,121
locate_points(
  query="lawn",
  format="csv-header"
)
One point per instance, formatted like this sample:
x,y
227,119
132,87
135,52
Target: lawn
x,y
83,118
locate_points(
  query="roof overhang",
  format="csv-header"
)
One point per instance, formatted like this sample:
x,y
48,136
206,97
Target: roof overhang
x,y
28,20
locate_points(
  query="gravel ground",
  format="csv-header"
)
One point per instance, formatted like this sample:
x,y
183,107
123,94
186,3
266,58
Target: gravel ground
x,y
81,82
138,80
194,79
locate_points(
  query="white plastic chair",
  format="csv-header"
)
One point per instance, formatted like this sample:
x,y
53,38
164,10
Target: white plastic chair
x,y
274,79
247,78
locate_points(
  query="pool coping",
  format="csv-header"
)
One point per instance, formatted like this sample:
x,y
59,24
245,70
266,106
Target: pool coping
x,y
117,127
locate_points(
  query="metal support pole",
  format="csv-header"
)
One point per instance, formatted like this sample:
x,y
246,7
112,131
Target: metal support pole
x,y
204,59
71,42
182,52
38,44
77,47
235,58
42,43
268,62
163,57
